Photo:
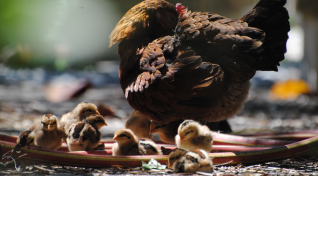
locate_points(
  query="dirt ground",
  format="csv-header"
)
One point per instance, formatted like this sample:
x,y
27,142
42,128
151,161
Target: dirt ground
x,y
24,103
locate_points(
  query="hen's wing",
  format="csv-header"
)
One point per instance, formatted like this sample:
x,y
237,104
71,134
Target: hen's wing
x,y
203,70
174,82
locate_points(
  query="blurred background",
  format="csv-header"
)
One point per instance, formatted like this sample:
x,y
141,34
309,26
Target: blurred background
x,y
54,54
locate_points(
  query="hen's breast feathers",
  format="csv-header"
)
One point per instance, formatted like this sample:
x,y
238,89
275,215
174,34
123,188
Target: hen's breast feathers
x,y
203,68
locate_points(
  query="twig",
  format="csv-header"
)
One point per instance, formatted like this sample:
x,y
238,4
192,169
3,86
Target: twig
x,y
222,164
22,155
15,163
4,156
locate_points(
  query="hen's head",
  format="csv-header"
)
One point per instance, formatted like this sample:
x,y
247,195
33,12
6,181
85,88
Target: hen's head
x,y
153,18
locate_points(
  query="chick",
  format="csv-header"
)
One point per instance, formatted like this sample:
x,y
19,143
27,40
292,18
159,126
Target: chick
x,y
79,113
45,134
166,131
175,155
96,120
192,135
126,143
23,140
139,124
193,161
150,147
85,135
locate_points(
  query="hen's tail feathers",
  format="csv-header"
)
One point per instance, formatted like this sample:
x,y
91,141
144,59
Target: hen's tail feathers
x,y
272,17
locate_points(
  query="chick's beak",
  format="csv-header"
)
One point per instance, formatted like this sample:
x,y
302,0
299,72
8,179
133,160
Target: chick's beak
x,y
105,124
115,138
49,126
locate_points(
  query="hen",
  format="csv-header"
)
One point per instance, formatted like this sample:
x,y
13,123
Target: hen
x,y
177,64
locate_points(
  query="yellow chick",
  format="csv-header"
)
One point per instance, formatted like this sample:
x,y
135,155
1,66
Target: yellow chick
x,y
193,161
79,113
192,135
139,124
126,143
166,131
45,134
85,135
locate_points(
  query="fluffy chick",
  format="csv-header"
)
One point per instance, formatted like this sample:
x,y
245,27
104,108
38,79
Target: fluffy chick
x,y
175,155
150,147
126,143
23,140
96,120
45,134
139,124
85,135
166,131
193,161
79,113
192,135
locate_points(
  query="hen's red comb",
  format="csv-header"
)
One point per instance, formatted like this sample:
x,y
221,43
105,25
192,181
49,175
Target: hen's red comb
x,y
179,8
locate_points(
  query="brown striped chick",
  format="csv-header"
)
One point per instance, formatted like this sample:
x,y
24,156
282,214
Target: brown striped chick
x,y
175,155
23,140
192,135
79,113
139,124
126,143
166,131
45,134
85,135
193,161
150,147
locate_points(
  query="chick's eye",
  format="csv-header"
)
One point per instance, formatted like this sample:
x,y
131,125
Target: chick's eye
x,y
43,123
89,110
157,127
53,123
122,135
188,132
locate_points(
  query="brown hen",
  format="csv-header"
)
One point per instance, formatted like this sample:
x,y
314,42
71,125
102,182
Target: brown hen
x,y
175,64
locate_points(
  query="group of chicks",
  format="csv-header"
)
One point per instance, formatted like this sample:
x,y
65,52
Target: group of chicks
x,y
193,140
80,127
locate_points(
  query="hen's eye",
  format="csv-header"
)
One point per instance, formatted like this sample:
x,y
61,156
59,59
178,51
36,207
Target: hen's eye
x,y
171,18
